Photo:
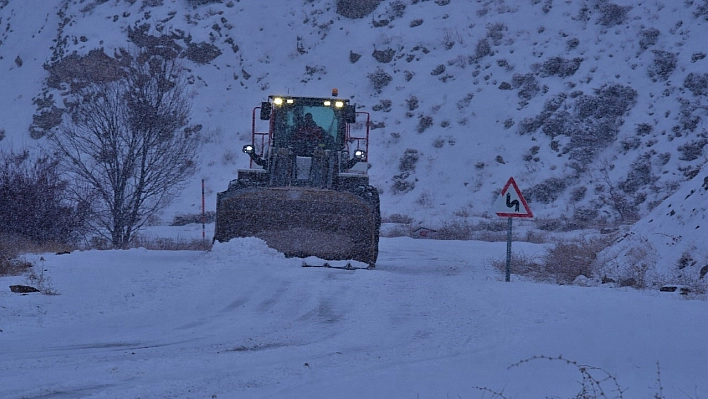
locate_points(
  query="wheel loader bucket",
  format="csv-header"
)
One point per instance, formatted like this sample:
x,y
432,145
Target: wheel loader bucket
x,y
303,221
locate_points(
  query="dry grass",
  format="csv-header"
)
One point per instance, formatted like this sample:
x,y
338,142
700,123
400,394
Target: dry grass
x,y
13,267
521,265
171,244
561,264
10,265
569,259
463,228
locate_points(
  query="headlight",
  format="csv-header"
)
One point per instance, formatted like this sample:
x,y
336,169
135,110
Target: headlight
x,y
278,101
339,104
327,103
359,154
249,149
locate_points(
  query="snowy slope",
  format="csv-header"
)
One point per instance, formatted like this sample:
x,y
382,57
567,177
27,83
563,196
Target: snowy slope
x,y
670,244
433,320
478,107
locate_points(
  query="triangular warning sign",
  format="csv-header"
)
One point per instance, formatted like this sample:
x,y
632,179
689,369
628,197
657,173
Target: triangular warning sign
x,y
511,204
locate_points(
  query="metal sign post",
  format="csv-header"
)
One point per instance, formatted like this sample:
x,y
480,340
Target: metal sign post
x,y
511,204
508,251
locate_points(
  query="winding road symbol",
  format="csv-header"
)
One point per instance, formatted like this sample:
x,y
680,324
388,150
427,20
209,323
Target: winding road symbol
x,y
510,203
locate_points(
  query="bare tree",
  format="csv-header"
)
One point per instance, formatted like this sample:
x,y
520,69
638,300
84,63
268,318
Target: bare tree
x,y
128,146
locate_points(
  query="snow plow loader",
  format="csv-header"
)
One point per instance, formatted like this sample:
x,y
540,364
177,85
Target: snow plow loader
x,y
307,191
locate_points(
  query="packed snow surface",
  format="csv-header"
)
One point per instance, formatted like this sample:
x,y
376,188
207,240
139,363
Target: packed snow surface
x,y
433,320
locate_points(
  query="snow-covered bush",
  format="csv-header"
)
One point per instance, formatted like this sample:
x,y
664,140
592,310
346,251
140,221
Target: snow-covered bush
x,y
408,160
495,32
202,53
384,56
527,85
424,122
383,106
202,2
630,143
396,9
648,37
379,79
482,50
558,66
697,83
412,103
702,10
407,165
356,8
609,102
664,64
546,191
691,151
612,14
639,175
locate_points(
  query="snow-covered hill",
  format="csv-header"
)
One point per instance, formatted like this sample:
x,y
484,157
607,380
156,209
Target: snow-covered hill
x,y
597,108
574,99
670,245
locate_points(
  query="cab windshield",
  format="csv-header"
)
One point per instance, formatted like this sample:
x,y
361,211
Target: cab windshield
x,y
291,119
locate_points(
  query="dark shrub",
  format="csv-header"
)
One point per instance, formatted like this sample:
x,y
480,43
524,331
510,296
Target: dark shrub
x,y
702,10
697,83
33,200
438,70
384,56
691,151
423,123
555,102
639,175
559,66
560,124
396,9
356,8
495,32
664,64
527,85
482,50
379,79
401,181
408,160
648,37
202,2
614,100
202,53
547,191
578,193
611,14
412,103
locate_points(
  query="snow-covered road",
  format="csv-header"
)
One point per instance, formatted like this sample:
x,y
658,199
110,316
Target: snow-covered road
x,y
433,320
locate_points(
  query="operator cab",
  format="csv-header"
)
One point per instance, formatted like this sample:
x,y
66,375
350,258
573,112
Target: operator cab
x,y
305,123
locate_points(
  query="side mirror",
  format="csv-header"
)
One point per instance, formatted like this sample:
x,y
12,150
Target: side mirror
x,y
266,109
350,113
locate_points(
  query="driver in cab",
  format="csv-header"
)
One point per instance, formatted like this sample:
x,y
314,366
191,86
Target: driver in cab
x,y
308,136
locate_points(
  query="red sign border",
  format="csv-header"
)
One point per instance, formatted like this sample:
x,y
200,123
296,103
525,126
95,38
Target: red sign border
x,y
529,214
